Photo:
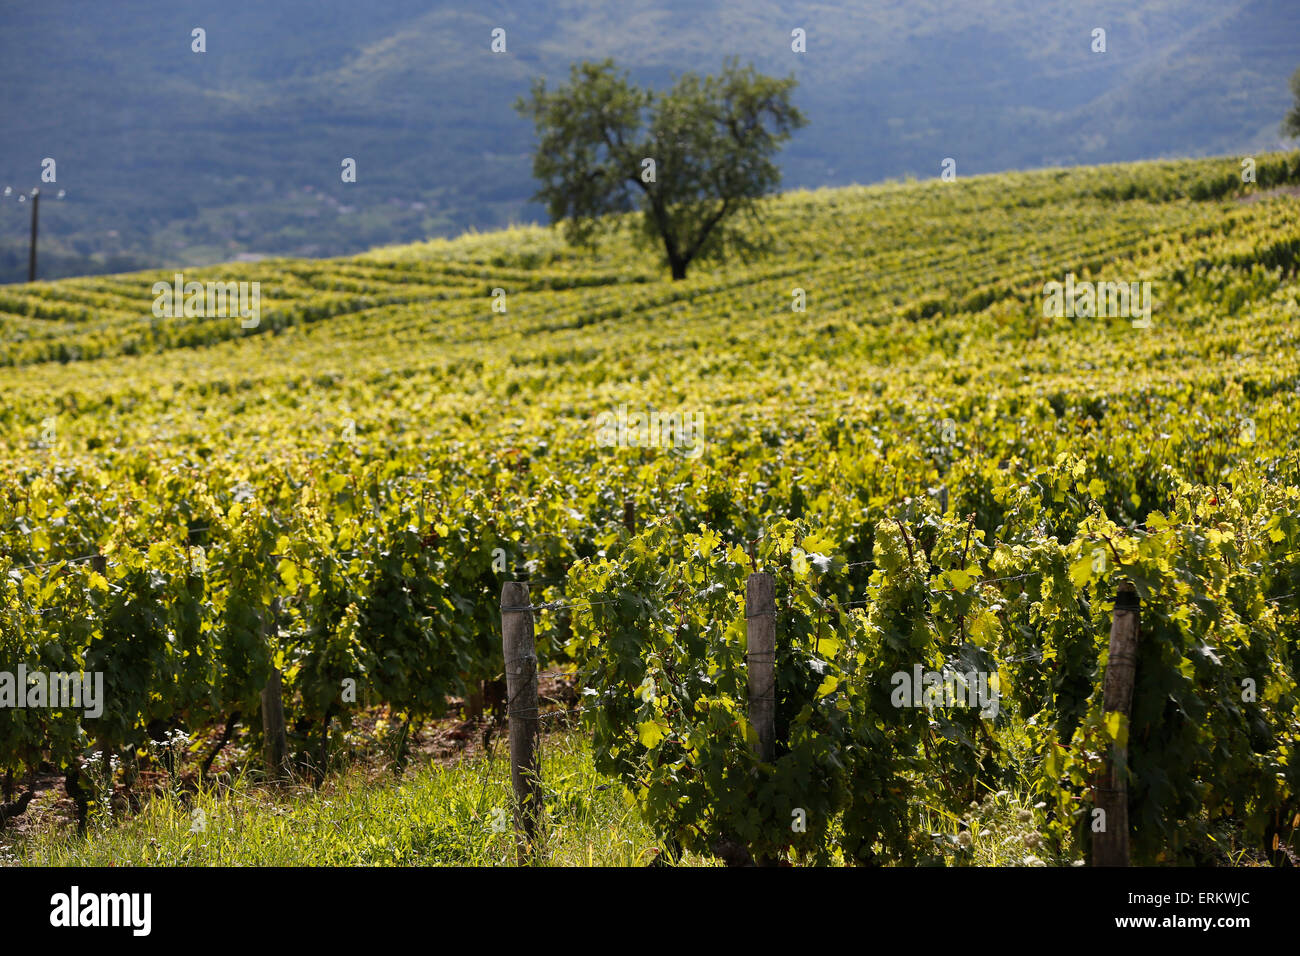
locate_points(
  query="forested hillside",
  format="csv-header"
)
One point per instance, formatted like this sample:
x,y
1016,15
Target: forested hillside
x,y
171,157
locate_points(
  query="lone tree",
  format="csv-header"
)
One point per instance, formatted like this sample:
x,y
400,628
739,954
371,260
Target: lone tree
x,y
1291,125
694,159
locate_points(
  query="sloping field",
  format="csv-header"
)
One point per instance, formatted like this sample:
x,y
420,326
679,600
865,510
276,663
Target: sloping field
x,y
937,474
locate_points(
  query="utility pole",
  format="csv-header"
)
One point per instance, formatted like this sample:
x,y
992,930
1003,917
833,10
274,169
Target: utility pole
x,y
31,259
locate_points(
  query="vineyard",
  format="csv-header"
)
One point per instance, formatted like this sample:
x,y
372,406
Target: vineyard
x,y
937,477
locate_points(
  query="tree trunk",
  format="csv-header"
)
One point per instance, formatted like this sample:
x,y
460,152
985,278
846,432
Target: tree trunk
x,y
275,742
494,694
474,702
399,759
221,743
322,759
80,796
1110,843
679,268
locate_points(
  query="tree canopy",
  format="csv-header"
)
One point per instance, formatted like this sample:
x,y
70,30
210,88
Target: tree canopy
x,y
1291,125
692,159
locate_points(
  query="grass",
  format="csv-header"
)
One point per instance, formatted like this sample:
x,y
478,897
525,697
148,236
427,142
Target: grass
x,y
998,830
458,812
455,814
444,814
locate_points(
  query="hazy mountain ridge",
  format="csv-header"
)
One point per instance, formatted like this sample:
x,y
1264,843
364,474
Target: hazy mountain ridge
x,y
193,158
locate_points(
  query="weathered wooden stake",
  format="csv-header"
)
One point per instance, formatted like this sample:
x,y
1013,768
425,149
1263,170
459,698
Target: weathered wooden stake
x,y
760,630
31,256
275,741
520,653
1110,845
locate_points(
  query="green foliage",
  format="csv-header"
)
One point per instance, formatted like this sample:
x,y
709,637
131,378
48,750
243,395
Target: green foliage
x,y
702,159
1291,124
439,815
936,474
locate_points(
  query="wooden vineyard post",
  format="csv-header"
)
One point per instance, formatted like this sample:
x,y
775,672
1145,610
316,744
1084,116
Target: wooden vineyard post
x,y
31,255
1110,845
275,741
760,631
521,708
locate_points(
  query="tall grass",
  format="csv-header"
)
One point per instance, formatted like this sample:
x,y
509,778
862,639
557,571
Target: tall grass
x,y
455,814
